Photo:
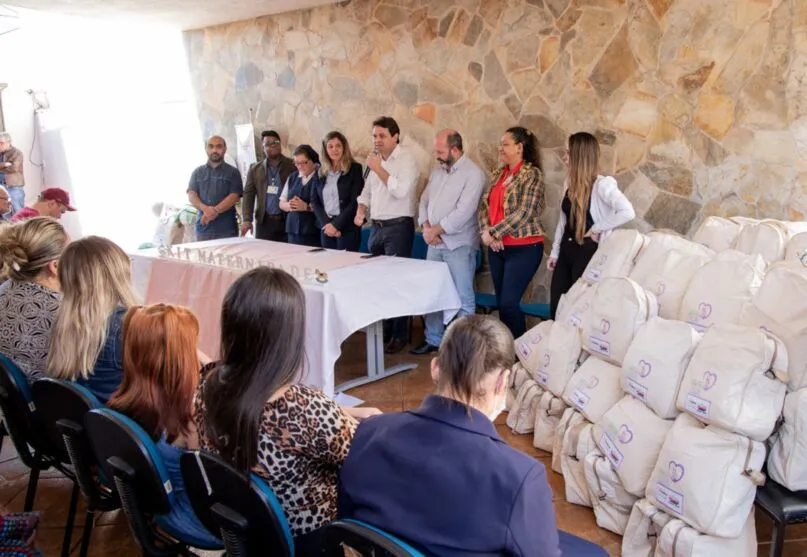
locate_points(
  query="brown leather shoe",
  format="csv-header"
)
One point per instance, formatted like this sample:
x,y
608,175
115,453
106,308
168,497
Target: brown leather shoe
x,y
394,346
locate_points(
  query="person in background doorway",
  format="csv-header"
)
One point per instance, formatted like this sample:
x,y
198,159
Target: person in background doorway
x,y
510,223
592,206
389,191
296,197
214,189
336,199
5,204
52,202
11,175
265,181
448,216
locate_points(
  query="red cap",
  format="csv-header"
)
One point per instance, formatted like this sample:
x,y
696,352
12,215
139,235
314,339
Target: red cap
x,y
58,195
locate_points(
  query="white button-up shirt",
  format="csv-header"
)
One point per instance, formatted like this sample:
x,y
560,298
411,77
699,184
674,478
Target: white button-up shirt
x,y
396,199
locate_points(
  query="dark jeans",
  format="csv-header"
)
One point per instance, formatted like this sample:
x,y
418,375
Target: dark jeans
x,y
223,230
272,228
572,262
349,241
512,270
305,240
393,237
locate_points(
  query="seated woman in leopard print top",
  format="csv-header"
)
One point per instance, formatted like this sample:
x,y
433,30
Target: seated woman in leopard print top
x,y
252,410
30,298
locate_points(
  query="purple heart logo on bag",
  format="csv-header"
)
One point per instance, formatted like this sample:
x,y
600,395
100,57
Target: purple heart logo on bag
x,y
625,434
547,359
676,471
592,382
600,259
660,288
709,380
645,368
605,326
704,310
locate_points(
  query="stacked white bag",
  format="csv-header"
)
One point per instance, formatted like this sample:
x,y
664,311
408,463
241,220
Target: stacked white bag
x,y
796,247
615,256
719,291
767,238
717,233
573,305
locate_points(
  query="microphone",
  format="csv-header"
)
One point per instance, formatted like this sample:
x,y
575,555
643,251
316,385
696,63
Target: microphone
x,y
367,170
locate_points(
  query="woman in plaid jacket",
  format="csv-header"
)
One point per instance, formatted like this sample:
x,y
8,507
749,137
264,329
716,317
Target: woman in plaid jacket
x,y
510,223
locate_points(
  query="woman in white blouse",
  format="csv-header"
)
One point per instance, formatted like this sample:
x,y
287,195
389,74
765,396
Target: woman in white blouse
x,y
592,206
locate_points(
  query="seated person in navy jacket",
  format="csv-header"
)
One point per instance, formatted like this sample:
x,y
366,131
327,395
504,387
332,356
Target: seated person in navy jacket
x,y
441,478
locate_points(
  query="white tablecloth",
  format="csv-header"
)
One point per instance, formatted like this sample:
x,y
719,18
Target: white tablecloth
x,y
359,292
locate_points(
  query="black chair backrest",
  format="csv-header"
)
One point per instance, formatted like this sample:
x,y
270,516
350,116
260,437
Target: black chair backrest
x,y
19,415
243,508
114,436
59,400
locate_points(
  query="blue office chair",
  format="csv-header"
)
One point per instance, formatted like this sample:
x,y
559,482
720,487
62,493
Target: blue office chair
x,y
127,453
541,311
62,406
243,508
485,303
367,540
364,247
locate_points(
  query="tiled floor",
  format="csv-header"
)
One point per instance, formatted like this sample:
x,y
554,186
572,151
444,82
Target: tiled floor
x,y
400,392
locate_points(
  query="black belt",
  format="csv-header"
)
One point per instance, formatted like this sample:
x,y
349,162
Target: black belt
x,y
391,222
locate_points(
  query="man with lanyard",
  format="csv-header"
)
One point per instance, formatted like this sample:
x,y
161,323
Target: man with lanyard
x,y
389,191
265,181
214,189
448,209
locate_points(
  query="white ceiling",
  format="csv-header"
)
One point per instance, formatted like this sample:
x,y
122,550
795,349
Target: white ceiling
x,y
181,14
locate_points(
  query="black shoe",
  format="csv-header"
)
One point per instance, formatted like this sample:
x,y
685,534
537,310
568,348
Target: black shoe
x,y
424,349
394,346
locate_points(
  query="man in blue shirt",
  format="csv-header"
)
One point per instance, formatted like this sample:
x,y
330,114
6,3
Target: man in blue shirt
x,y
214,190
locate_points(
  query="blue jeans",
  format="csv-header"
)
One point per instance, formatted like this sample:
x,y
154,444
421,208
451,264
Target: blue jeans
x,y
462,266
512,270
17,195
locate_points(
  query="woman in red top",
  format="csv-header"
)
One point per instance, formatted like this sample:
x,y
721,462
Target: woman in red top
x,y
510,223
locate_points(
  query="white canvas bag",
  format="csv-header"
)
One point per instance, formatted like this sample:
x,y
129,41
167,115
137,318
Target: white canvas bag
x,y
783,293
611,503
521,417
619,309
517,378
793,335
594,389
630,436
574,305
796,247
561,356
717,233
658,244
644,526
655,364
529,346
707,477
615,255
720,289
767,238
677,539
550,409
569,418
669,279
787,461
577,443
729,382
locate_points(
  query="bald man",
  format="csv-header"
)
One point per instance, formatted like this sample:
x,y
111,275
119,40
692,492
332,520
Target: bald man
x,y
214,189
447,214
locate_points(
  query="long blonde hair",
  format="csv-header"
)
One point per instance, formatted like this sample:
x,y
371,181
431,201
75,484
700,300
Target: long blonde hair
x,y
96,279
584,162
27,247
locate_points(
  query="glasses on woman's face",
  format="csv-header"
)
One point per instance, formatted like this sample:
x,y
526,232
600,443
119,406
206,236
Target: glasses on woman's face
x,y
302,164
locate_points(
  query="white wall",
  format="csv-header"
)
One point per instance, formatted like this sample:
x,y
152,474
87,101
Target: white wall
x,y
122,132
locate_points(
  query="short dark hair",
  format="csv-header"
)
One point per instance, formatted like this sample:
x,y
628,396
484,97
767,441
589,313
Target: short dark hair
x,y
454,140
308,151
389,124
530,143
270,133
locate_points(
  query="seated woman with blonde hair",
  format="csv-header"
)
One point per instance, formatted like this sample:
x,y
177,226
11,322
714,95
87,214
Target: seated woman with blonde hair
x,y
160,375
29,299
87,341
441,478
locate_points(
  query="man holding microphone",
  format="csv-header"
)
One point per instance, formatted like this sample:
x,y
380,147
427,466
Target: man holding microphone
x,y
389,191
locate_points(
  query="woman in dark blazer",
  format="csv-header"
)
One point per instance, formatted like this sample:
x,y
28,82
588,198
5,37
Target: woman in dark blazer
x,y
334,200
301,223
441,478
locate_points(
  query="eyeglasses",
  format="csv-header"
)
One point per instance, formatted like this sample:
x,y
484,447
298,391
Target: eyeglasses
x,y
274,143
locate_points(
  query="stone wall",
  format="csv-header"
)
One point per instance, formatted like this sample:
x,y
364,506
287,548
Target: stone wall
x,y
700,105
